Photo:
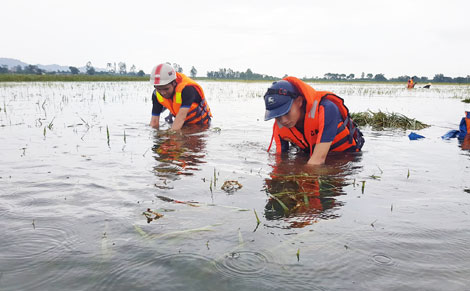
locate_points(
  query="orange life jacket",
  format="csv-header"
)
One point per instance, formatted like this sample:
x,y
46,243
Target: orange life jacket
x,y
410,84
348,136
199,113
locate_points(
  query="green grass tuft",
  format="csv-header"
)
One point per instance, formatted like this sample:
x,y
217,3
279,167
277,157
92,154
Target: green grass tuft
x,y
381,120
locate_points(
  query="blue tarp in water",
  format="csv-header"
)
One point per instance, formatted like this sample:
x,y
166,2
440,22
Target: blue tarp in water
x,y
414,136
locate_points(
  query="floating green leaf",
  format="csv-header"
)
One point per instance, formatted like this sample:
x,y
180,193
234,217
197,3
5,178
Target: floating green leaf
x,y
257,218
107,132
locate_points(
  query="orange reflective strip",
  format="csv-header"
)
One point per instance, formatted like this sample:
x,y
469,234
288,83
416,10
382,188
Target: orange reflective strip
x,y
340,135
342,147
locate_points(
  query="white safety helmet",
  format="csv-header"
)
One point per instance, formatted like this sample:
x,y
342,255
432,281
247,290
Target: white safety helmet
x,y
162,74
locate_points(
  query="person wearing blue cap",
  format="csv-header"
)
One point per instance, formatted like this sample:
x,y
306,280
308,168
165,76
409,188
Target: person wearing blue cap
x,y
317,122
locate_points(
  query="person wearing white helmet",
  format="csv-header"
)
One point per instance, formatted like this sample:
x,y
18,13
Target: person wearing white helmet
x,y
182,96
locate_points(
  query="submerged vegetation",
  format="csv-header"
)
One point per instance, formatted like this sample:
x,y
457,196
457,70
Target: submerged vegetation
x,y
382,120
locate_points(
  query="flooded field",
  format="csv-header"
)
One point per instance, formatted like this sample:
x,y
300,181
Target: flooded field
x,y
91,198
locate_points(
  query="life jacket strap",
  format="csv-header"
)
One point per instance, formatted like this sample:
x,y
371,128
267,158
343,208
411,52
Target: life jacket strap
x,y
272,138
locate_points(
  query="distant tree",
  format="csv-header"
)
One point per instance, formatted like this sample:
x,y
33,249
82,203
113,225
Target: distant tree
x,y
193,72
74,70
110,68
3,69
140,73
350,76
404,78
132,70
224,73
249,74
31,69
177,68
122,68
441,78
459,80
369,76
90,70
362,75
380,77
18,69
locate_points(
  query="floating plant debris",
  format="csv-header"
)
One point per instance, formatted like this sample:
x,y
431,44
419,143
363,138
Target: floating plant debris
x,y
231,185
381,120
151,215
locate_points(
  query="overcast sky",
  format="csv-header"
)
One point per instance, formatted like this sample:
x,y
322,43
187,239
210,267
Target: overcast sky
x,y
299,38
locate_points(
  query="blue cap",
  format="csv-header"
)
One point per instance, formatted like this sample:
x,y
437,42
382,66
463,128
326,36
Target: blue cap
x,y
279,98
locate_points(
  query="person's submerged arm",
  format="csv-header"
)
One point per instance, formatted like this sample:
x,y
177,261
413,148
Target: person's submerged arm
x,y
155,122
319,153
156,110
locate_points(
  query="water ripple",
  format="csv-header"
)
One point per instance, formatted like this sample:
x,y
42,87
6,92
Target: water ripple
x,y
383,259
164,271
243,263
30,247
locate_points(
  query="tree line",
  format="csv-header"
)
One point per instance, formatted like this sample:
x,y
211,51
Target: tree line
x,y
111,69
438,78
228,74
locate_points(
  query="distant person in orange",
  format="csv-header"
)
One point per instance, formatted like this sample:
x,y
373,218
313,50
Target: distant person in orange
x,y
316,122
411,83
182,96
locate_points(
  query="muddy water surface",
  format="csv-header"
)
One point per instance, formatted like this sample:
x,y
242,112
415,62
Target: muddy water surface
x,y
91,198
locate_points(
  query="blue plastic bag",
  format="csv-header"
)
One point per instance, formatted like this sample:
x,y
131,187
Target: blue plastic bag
x,y
414,136
451,134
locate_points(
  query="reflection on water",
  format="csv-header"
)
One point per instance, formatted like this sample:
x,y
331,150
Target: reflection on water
x,y
301,195
178,154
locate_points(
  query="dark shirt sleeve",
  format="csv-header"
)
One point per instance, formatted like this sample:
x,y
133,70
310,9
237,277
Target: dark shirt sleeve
x,y
332,119
189,95
284,145
156,106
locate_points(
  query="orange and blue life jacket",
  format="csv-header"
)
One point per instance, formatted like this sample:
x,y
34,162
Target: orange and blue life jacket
x,y
199,113
348,136
464,127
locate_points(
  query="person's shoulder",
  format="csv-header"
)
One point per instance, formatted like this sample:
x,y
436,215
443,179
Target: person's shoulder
x,y
330,109
328,104
190,91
